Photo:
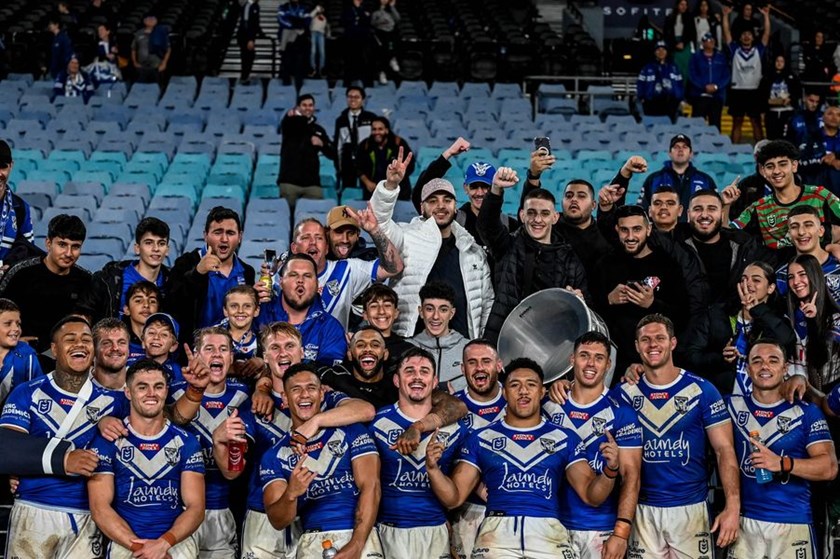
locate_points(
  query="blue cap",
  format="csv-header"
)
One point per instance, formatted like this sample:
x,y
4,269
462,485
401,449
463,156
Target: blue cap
x,y
163,317
480,172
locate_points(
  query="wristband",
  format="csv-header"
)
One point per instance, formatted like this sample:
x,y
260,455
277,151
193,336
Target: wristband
x,y
136,546
621,530
193,394
786,460
299,438
609,473
170,538
625,520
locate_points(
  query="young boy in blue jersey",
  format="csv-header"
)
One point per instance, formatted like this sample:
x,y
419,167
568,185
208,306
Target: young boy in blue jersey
x,y
523,461
147,494
281,343
19,360
331,481
678,411
160,343
217,535
142,301
412,522
591,413
241,310
50,517
791,441
485,401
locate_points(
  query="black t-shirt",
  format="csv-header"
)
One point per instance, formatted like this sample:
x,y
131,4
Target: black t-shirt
x,y
44,298
379,394
716,259
447,268
396,346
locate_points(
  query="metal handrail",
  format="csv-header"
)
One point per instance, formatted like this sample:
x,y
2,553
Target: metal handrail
x,y
273,52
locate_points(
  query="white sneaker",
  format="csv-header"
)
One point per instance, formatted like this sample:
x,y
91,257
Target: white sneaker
x,y
382,78
395,66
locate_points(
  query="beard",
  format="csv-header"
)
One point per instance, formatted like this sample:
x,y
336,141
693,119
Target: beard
x,y
639,248
299,306
365,374
704,237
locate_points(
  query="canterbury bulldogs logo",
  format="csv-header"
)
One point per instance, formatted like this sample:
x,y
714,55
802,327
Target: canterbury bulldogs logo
x,y
44,406
638,402
172,455
337,448
393,435
92,414
783,424
127,454
481,168
442,438
743,417
598,424
499,443
333,287
230,410
548,445
681,403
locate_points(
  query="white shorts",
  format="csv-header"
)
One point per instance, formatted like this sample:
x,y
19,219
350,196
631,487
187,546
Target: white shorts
x,y
309,545
39,533
261,541
186,549
773,540
671,533
515,537
589,544
467,519
216,537
428,542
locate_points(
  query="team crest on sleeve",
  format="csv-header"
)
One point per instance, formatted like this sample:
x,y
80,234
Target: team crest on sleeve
x,y
44,405
681,403
393,435
743,418
499,443
173,455
337,448
598,425
127,454
638,402
783,423
548,445
92,413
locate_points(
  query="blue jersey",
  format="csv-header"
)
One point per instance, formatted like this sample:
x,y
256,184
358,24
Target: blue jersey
x,y
407,498
215,408
590,423
19,366
788,430
175,375
266,434
674,420
523,469
130,277
831,271
323,336
330,500
147,476
481,414
218,284
39,407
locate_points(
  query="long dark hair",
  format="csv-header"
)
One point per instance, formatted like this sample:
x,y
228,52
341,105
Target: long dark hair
x,y
819,327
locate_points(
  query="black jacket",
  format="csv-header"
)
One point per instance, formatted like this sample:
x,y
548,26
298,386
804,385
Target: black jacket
x,y
299,164
187,290
366,162
104,299
249,30
702,352
345,146
517,256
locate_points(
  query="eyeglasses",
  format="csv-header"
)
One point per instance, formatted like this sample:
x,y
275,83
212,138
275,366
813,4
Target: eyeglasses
x,y
477,185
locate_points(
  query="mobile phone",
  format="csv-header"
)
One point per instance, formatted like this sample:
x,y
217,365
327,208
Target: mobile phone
x,y
270,256
542,144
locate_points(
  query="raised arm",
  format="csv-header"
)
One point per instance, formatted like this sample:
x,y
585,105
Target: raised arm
x,y
765,36
385,196
346,412
197,375
390,259
727,32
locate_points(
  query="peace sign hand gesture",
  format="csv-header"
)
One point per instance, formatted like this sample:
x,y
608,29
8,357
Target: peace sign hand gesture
x,y
396,170
196,373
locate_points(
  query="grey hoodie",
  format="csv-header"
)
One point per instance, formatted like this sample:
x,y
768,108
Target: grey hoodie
x,y
448,352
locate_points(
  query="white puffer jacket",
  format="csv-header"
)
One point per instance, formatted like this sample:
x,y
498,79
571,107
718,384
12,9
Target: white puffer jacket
x,y
419,243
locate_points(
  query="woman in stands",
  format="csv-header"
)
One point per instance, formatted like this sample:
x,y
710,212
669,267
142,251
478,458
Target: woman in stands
x,y
723,336
782,91
680,35
816,322
706,20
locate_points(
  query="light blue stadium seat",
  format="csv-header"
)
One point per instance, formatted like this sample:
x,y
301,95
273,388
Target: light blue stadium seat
x,y
131,189
94,189
168,190
57,177
105,156
444,89
135,204
63,166
82,213
471,90
93,262
223,191
114,248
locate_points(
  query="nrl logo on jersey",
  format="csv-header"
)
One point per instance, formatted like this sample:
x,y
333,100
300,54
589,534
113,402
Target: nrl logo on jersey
x,y
337,448
598,424
393,435
499,443
92,414
681,403
44,406
467,421
743,417
127,453
558,418
548,445
172,455
638,402
783,423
